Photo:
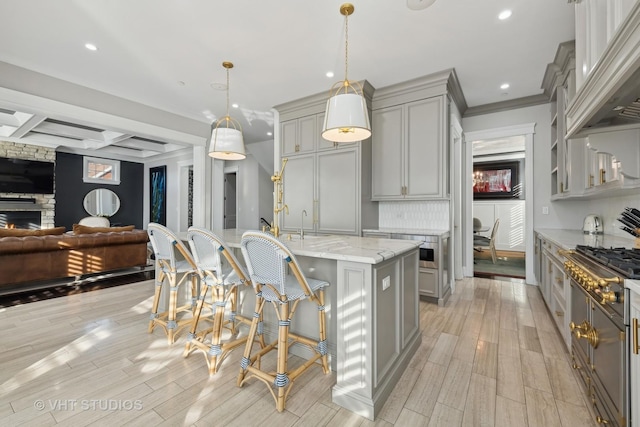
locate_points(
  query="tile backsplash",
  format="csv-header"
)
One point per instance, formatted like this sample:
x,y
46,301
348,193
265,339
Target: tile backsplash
x,y
414,214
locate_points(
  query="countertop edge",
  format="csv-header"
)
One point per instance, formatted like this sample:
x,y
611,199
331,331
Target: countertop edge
x,y
568,239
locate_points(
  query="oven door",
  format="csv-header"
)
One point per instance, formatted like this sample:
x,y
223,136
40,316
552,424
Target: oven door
x,y
579,317
598,352
609,361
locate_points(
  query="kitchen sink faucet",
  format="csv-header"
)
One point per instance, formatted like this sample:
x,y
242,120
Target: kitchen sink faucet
x,y
304,213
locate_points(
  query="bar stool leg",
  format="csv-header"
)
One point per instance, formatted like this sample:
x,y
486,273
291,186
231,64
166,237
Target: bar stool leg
x,y
253,329
156,301
322,344
282,377
173,308
194,290
233,299
196,319
216,334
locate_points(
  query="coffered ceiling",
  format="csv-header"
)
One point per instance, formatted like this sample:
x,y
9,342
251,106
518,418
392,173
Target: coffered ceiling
x,y
156,82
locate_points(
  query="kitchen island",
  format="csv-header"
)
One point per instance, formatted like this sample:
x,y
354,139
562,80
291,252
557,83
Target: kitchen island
x,y
372,311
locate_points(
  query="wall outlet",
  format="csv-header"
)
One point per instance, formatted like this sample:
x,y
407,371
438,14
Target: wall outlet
x,y
386,282
545,210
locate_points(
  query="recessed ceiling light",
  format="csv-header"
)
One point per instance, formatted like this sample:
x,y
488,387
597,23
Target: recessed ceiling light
x,y
269,133
91,46
504,14
504,86
234,105
329,74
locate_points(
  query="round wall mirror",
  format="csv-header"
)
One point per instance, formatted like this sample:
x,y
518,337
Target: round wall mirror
x,y
101,202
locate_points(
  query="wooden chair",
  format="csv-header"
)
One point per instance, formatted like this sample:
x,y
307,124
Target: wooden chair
x,y
481,241
268,261
175,265
220,276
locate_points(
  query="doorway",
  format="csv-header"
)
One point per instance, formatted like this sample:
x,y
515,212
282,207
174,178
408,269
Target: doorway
x,y
522,211
230,200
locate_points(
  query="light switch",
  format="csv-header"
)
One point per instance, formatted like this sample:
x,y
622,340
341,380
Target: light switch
x,y
386,282
545,210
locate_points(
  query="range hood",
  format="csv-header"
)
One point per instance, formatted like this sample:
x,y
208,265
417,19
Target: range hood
x,y
610,95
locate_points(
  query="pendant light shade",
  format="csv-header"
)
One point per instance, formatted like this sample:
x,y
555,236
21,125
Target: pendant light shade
x,y
227,142
346,117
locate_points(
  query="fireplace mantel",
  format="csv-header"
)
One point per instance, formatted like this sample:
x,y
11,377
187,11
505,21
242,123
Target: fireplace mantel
x,y
19,206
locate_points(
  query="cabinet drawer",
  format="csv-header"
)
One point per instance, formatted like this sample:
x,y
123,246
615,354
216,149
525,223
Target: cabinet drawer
x,y
428,282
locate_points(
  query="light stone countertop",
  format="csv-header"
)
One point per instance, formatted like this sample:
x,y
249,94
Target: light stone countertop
x,y
412,231
367,250
568,239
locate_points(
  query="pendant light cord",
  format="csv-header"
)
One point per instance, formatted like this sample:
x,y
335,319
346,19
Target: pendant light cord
x,y
346,51
227,118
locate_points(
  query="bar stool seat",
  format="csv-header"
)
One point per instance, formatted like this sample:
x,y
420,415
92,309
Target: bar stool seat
x,y
220,274
268,261
175,266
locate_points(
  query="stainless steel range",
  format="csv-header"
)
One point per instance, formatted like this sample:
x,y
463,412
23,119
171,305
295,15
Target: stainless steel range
x,y
600,338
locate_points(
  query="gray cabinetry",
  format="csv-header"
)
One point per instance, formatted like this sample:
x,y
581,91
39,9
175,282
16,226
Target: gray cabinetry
x,y
298,135
330,182
634,356
338,198
428,282
325,185
409,146
554,286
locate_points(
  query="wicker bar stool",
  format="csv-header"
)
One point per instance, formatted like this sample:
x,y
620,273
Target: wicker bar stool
x,y
220,275
268,260
175,266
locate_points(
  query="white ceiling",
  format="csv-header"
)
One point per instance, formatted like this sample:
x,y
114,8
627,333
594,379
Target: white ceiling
x,y
166,54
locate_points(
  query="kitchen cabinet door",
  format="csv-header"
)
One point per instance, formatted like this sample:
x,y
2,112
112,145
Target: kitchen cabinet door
x,y
299,135
425,164
299,191
387,153
337,207
409,147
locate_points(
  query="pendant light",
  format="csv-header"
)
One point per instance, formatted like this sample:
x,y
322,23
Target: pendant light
x,y
226,138
346,117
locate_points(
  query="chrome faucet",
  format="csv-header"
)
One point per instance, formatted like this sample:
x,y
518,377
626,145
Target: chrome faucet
x,y
304,213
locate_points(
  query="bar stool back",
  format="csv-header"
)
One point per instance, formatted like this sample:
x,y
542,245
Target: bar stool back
x,y
268,261
175,265
220,274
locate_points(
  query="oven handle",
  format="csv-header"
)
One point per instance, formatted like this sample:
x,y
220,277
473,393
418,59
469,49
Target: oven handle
x,y
635,335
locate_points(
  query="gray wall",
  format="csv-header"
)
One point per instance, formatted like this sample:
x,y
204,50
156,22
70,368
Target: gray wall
x,y
70,192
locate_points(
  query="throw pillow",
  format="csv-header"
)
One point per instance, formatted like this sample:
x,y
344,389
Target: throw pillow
x,y
84,229
20,232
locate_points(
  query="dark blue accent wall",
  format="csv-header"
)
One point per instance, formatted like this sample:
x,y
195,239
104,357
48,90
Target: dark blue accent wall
x,y
70,191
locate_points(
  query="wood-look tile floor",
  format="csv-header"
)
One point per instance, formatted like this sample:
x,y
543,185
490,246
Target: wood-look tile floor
x,y
490,357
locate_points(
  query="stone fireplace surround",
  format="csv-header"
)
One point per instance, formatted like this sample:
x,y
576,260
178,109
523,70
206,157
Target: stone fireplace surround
x,y
24,202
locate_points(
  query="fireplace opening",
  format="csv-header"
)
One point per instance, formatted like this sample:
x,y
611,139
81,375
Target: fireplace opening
x,y
30,220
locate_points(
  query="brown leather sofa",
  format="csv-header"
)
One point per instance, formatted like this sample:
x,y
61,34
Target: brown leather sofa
x,y
37,258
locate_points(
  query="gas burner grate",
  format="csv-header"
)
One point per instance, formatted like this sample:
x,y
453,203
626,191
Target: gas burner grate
x,y
624,261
